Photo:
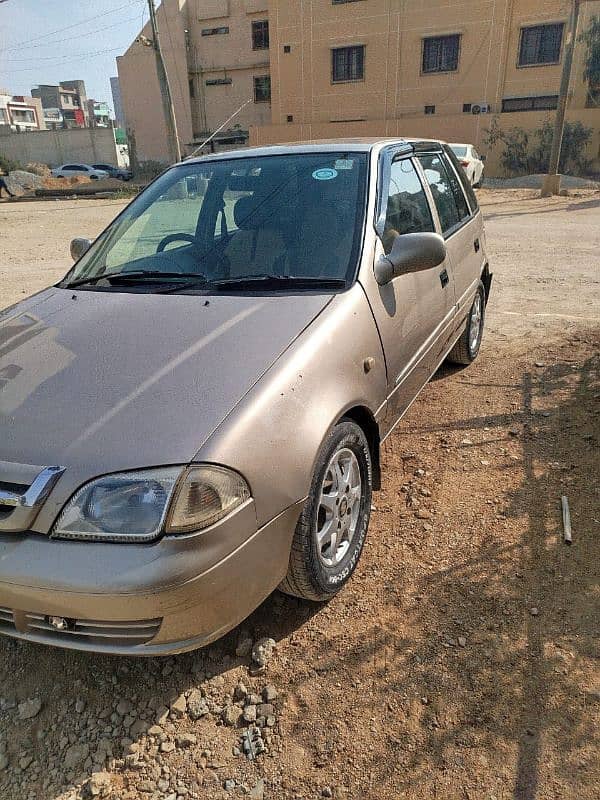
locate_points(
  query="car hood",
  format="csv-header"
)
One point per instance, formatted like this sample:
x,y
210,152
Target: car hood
x,y
102,381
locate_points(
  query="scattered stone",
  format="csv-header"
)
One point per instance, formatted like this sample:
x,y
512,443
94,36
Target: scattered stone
x,y
229,785
423,513
466,442
231,715
250,714
99,784
80,706
146,786
462,642
327,792
265,710
262,652
29,708
269,693
179,707
196,705
25,761
167,747
534,611
76,755
244,647
240,692
3,761
258,792
124,707
252,743
186,739
540,364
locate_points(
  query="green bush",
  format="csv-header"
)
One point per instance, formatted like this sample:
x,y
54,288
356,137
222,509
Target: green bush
x,y
7,164
529,153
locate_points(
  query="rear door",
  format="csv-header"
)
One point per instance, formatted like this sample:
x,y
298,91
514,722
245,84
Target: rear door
x,y
413,312
460,226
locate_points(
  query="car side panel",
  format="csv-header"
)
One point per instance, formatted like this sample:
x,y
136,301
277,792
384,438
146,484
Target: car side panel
x,y
274,434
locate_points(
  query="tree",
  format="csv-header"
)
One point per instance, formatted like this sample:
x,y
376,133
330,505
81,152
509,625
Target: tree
x,y
591,37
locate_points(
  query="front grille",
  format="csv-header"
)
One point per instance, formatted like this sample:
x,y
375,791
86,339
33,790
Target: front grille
x,y
7,621
93,631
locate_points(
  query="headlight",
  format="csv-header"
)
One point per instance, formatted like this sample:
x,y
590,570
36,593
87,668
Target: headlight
x,y
133,506
204,495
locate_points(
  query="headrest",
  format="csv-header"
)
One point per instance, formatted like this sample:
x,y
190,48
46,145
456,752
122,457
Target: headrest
x,y
246,212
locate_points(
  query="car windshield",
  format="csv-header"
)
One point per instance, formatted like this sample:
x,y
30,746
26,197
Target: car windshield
x,y
459,149
296,217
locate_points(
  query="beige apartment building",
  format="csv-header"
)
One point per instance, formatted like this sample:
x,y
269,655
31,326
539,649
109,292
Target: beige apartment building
x,y
217,58
339,68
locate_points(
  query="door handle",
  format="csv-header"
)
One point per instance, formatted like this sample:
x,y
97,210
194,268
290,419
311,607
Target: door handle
x,y
476,245
444,279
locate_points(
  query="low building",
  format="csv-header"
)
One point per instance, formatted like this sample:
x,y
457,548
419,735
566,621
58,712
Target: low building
x,y
217,58
99,114
115,89
69,98
20,113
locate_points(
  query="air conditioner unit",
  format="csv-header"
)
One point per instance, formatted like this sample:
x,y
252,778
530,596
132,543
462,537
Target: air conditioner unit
x,y
480,108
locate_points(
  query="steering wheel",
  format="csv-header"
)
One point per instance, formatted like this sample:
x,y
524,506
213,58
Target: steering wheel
x,y
175,237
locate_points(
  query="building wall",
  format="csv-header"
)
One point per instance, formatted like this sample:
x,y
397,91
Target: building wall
x,y
117,102
9,104
392,97
87,145
192,59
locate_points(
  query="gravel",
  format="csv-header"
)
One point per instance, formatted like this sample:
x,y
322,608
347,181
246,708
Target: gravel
x,y
536,181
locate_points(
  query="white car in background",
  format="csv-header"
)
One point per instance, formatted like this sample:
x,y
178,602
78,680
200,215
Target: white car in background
x,y
71,170
470,161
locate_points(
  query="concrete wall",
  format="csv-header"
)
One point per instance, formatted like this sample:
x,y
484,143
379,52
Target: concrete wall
x,y
87,145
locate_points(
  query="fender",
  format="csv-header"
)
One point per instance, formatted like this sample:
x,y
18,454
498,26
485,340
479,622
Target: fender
x,y
273,436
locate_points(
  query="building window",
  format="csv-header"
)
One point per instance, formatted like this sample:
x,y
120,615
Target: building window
x,y
348,63
287,48
260,35
593,97
430,109
467,108
290,117
262,89
540,44
22,115
219,82
543,103
215,31
440,53
192,88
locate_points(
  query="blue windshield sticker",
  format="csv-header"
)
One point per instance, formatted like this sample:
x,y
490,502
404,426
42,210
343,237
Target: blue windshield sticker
x,y
325,174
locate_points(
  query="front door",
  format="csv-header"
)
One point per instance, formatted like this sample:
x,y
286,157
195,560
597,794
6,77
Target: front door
x,y
413,312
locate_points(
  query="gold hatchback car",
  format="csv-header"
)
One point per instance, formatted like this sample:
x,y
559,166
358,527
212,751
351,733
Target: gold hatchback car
x,y
193,416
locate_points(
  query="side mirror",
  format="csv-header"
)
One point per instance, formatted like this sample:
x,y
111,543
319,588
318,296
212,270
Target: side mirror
x,y
79,246
411,252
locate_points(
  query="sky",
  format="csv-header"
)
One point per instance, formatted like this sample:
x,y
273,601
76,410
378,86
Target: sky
x,y
47,41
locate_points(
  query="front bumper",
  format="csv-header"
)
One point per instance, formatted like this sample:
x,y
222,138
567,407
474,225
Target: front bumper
x,y
177,594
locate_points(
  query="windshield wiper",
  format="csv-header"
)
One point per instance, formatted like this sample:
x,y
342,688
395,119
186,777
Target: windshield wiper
x,y
138,276
279,282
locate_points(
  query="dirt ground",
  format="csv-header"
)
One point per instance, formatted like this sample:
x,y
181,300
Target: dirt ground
x,y
462,660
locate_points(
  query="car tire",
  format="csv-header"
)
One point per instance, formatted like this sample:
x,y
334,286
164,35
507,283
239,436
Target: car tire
x,y
332,528
479,182
466,349
93,177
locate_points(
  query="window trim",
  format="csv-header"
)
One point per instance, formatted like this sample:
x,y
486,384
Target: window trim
x,y
221,30
541,63
424,39
264,22
532,98
364,63
448,163
259,77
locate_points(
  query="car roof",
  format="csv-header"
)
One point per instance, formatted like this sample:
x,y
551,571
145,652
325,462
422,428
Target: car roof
x,y
354,145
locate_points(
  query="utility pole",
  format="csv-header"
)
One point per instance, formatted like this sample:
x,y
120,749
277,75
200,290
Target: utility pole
x,y
165,90
551,183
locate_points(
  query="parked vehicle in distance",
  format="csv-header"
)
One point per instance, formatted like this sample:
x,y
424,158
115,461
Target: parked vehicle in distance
x,y
471,162
70,170
193,416
120,173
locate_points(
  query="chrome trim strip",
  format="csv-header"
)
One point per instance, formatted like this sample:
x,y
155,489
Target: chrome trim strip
x,y
24,507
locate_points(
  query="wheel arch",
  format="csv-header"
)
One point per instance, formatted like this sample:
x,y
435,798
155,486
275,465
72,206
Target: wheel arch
x,y
364,418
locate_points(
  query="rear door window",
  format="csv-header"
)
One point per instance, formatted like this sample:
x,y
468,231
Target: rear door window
x,y
407,205
448,195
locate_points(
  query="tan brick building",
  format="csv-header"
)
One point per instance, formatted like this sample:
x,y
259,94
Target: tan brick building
x,y
440,68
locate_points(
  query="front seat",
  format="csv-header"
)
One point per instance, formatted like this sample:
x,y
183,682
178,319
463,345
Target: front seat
x,y
257,246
